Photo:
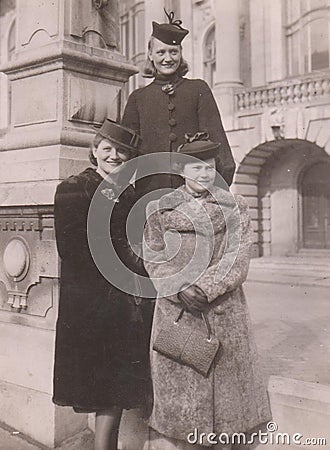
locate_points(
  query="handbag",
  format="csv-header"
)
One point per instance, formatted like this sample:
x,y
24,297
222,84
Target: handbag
x,y
188,346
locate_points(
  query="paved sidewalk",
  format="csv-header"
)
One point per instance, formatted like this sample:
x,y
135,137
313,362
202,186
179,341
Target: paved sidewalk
x,y
291,270
13,440
289,301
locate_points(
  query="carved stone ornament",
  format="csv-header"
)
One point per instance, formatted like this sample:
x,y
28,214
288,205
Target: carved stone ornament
x,y
99,4
28,265
277,123
96,23
16,259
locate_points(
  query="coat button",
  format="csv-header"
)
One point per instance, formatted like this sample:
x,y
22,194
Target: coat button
x,y
172,122
173,137
171,107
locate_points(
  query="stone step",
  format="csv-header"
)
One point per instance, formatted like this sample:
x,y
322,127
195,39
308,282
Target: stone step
x,y
291,270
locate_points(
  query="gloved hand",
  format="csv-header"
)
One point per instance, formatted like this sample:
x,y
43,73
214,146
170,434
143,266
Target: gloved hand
x,y
193,299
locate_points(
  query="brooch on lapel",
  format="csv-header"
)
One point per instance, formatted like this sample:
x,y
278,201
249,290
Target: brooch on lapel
x,y
110,194
168,88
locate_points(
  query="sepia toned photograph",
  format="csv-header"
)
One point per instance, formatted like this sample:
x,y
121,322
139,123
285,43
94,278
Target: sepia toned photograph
x,y
164,224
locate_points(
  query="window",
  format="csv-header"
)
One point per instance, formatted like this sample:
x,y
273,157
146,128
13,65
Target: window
x,y
7,48
11,40
308,36
210,57
132,37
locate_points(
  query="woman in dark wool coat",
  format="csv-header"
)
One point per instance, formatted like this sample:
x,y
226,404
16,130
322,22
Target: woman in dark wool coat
x,y
200,224
172,105
101,354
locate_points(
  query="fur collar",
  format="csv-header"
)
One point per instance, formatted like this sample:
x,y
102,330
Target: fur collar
x,y
182,212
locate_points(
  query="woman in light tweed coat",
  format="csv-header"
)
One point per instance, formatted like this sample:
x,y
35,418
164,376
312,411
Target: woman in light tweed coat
x,y
232,398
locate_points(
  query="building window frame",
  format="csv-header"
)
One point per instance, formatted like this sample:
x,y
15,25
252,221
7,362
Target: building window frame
x,y
302,17
132,34
8,47
209,56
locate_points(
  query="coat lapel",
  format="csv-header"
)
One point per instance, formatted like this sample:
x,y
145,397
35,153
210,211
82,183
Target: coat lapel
x,y
182,212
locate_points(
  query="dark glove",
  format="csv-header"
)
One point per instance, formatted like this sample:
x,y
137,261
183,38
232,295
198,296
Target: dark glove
x,y
193,299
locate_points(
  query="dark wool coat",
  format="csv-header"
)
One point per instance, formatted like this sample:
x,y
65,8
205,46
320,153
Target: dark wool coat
x,y
232,398
162,120
101,354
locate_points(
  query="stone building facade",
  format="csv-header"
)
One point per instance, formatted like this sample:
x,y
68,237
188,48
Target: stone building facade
x,y
268,66
62,72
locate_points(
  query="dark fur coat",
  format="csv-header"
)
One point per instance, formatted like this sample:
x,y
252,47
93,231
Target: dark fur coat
x,y
101,355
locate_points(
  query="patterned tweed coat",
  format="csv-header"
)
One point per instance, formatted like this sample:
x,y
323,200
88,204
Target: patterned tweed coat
x,y
232,398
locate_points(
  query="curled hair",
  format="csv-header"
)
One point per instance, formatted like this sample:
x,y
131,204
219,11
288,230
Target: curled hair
x,y
148,68
95,143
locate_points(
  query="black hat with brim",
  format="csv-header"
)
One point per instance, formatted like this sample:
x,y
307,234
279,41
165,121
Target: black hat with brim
x,y
118,134
199,146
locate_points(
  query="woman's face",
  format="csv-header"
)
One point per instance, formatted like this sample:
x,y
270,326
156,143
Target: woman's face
x,y
199,176
109,157
166,58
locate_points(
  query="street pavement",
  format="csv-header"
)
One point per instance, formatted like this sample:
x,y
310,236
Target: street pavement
x,y
289,302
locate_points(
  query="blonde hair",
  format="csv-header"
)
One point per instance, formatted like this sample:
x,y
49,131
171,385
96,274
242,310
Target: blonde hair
x,y
98,138
148,68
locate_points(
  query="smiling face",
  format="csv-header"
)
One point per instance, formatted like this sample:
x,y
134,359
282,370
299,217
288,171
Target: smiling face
x,y
109,157
199,176
166,58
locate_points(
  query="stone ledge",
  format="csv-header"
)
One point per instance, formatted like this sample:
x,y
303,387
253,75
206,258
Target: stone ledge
x,y
300,407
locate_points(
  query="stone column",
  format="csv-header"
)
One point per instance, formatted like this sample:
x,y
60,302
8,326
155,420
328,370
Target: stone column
x,y
258,63
153,11
65,75
275,60
227,57
187,44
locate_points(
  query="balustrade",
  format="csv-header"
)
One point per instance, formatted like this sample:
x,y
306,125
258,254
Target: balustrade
x,y
288,93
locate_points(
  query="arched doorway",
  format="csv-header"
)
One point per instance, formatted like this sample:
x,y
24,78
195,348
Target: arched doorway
x,y
271,178
315,189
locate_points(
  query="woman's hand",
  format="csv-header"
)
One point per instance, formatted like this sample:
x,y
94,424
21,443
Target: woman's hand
x,y
193,299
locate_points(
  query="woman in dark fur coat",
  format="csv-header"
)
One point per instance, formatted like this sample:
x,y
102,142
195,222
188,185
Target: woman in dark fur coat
x,y
101,356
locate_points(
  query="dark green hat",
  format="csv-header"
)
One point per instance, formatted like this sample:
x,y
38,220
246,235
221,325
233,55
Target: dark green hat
x,y
118,134
199,146
170,33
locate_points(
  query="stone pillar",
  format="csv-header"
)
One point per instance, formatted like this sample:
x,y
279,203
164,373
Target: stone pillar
x,y
258,63
227,57
65,75
153,11
275,61
187,44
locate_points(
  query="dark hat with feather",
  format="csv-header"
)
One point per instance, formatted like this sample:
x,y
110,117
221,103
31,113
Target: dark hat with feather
x,y
170,33
199,145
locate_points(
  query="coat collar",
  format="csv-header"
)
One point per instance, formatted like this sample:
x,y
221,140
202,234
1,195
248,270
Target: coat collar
x,y
216,195
182,212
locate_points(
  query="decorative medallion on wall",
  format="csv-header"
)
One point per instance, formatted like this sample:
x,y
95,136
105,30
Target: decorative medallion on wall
x,y
28,260
16,262
16,259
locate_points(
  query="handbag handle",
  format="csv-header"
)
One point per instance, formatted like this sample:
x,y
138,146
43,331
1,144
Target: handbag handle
x,y
206,322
